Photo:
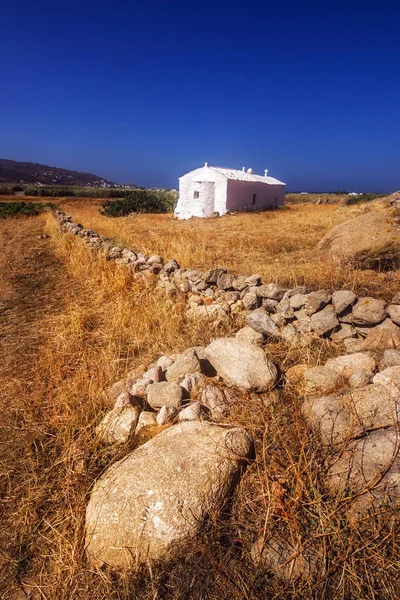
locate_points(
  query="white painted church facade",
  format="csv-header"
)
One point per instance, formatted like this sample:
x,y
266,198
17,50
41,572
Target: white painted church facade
x,y
207,190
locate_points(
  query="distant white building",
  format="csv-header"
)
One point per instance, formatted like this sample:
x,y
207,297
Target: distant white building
x,y
207,190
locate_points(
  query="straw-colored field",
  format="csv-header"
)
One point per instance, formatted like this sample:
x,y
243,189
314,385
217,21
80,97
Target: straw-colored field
x,y
279,245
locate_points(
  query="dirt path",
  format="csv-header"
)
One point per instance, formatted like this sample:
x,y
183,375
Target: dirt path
x,y
32,287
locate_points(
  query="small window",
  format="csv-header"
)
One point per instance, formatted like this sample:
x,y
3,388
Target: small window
x,y
254,199
196,195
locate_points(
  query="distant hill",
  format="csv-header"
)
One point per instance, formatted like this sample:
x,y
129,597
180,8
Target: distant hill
x,y
12,171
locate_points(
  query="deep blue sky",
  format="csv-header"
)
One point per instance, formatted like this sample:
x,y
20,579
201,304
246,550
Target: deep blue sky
x,y
145,91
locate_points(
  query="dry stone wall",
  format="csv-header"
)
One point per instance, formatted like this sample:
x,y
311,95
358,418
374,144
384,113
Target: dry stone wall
x,y
352,401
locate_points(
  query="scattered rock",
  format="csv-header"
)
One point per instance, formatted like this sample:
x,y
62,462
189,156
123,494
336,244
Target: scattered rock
x,y
119,424
187,362
353,345
164,393
272,291
242,364
261,322
150,505
343,299
315,301
155,259
249,335
345,331
324,321
369,311
297,301
251,300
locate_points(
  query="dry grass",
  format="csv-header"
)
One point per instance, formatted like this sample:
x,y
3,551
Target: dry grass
x,y
105,325
280,245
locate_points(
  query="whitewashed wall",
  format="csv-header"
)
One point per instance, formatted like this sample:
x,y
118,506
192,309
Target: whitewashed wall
x,y
212,194
240,195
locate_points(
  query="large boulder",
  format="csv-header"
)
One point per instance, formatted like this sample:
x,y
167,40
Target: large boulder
x,y
242,364
369,241
153,502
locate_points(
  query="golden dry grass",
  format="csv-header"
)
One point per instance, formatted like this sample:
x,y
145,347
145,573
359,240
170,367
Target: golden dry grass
x,y
279,245
102,325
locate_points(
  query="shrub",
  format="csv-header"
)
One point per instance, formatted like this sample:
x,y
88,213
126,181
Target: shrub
x,y
140,201
12,209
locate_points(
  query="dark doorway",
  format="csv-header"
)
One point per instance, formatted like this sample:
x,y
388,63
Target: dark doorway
x,y
254,199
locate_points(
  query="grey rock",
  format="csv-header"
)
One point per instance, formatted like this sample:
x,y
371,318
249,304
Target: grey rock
x,y
327,415
284,308
251,300
253,280
353,345
303,321
261,322
345,331
324,321
342,299
153,503
211,276
242,364
249,335
297,301
316,300
272,291
164,394
212,311
369,311
187,362
164,362
269,304
239,283
225,281
119,424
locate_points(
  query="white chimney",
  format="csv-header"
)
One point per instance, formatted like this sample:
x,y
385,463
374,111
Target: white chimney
x,y
265,172
250,171
244,169
206,164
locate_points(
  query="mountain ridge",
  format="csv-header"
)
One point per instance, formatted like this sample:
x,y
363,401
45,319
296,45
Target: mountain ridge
x,y
12,171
